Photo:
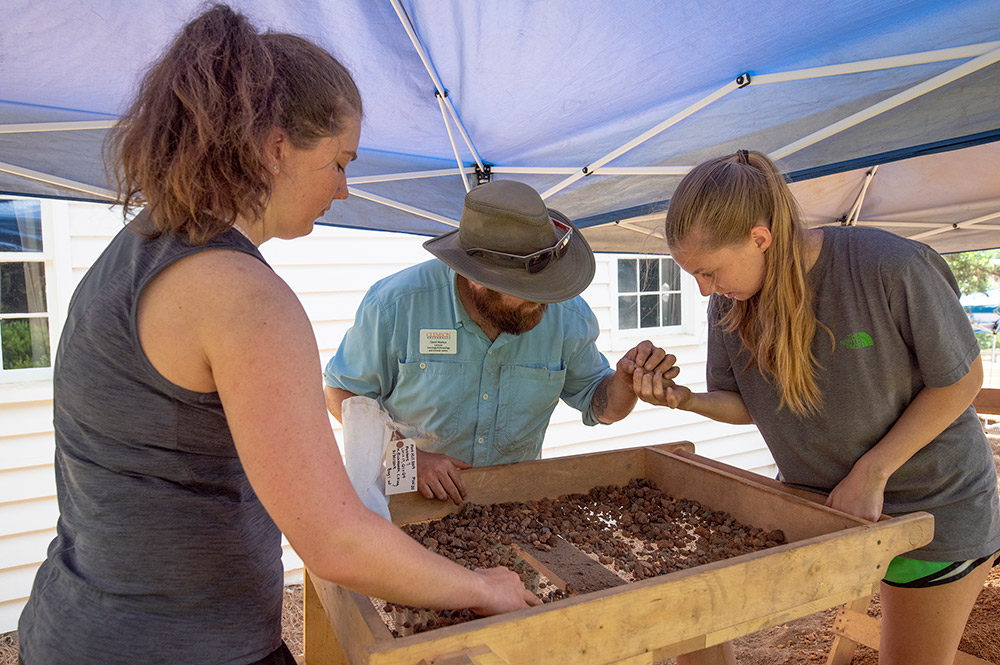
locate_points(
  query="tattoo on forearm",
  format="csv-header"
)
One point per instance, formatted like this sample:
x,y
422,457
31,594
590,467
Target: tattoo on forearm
x,y
599,403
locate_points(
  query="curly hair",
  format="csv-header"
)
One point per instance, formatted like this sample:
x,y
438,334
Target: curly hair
x,y
191,145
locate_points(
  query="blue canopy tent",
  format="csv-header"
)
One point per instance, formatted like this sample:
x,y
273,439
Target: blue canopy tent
x,y
881,113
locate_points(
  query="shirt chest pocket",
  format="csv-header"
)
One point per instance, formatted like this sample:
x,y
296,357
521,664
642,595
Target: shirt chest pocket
x,y
428,397
528,395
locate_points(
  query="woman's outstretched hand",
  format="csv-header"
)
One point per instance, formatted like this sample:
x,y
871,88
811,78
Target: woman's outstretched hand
x,y
505,592
657,387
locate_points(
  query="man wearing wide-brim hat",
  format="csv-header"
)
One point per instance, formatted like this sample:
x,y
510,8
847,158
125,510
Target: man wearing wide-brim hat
x,y
470,352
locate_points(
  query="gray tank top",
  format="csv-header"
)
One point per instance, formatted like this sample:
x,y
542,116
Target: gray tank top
x,y
163,553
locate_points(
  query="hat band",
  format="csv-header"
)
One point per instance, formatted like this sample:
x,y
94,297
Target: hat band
x,y
536,261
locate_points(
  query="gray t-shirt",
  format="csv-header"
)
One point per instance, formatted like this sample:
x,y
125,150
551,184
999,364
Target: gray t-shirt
x,y
892,305
163,552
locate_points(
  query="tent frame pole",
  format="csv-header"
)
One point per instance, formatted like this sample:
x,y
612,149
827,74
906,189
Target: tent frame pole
x,y
993,355
642,138
988,53
438,85
523,170
892,102
928,225
451,139
957,225
410,175
855,212
58,182
82,125
375,198
876,64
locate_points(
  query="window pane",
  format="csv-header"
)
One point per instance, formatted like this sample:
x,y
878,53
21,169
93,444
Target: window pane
x,y
649,311
649,275
627,276
22,287
20,226
671,275
627,313
24,343
671,309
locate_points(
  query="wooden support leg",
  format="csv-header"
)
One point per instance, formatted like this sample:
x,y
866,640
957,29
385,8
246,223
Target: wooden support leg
x,y
320,643
720,654
479,655
859,628
842,649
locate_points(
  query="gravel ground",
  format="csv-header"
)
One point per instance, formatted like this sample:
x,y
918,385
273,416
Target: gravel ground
x,y
291,628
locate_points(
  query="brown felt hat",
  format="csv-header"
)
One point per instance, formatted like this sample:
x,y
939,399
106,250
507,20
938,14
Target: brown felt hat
x,y
508,241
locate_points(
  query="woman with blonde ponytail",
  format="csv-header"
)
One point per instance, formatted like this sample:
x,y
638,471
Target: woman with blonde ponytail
x,y
190,424
849,350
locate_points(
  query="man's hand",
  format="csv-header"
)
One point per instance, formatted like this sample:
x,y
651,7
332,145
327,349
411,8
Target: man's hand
x,y
616,396
646,358
652,372
438,476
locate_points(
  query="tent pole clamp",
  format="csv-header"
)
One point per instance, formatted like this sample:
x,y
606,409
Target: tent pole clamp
x,y
743,80
485,174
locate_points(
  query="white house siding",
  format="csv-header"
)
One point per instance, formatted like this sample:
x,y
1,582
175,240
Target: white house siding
x,y
330,271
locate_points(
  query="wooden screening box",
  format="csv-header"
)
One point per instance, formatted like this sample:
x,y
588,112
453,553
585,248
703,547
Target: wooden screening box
x,y
830,558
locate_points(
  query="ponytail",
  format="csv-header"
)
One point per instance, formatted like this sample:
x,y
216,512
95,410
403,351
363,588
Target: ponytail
x,y
191,146
722,200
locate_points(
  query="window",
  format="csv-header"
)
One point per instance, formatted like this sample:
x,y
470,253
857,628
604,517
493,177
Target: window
x,y
24,318
649,293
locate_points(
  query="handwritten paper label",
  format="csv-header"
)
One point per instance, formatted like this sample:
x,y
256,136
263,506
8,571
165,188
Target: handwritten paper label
x,y
438,341
401,467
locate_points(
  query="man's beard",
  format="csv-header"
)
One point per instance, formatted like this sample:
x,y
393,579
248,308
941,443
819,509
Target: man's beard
x,y
513,322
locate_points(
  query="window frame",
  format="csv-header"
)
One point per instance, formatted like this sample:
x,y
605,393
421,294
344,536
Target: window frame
x,y
628,337
50,211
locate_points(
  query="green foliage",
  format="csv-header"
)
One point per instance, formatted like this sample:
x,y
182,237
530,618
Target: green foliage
x,y
985,340
975,271
19,347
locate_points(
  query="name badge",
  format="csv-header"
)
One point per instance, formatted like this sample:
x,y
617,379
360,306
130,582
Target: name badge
x,y
401,467
438,341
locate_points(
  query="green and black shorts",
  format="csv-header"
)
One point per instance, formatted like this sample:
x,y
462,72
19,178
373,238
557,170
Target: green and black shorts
x,y
916,574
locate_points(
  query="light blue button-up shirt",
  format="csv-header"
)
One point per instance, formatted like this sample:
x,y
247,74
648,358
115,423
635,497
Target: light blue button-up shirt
x,y
479,401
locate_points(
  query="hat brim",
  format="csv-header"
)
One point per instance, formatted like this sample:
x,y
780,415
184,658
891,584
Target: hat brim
x,y
561,280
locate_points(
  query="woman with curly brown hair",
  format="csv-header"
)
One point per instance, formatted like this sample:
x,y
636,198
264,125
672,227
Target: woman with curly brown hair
x,y
849,350
191,430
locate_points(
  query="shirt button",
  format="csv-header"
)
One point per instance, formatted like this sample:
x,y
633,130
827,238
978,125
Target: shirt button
x,y
485,396
481,439
423,365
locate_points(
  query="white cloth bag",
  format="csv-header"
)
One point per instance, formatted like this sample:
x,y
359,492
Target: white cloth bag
x,y
367,431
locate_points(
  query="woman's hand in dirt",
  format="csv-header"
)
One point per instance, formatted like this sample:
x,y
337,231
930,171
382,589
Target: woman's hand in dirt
x,y
505,592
